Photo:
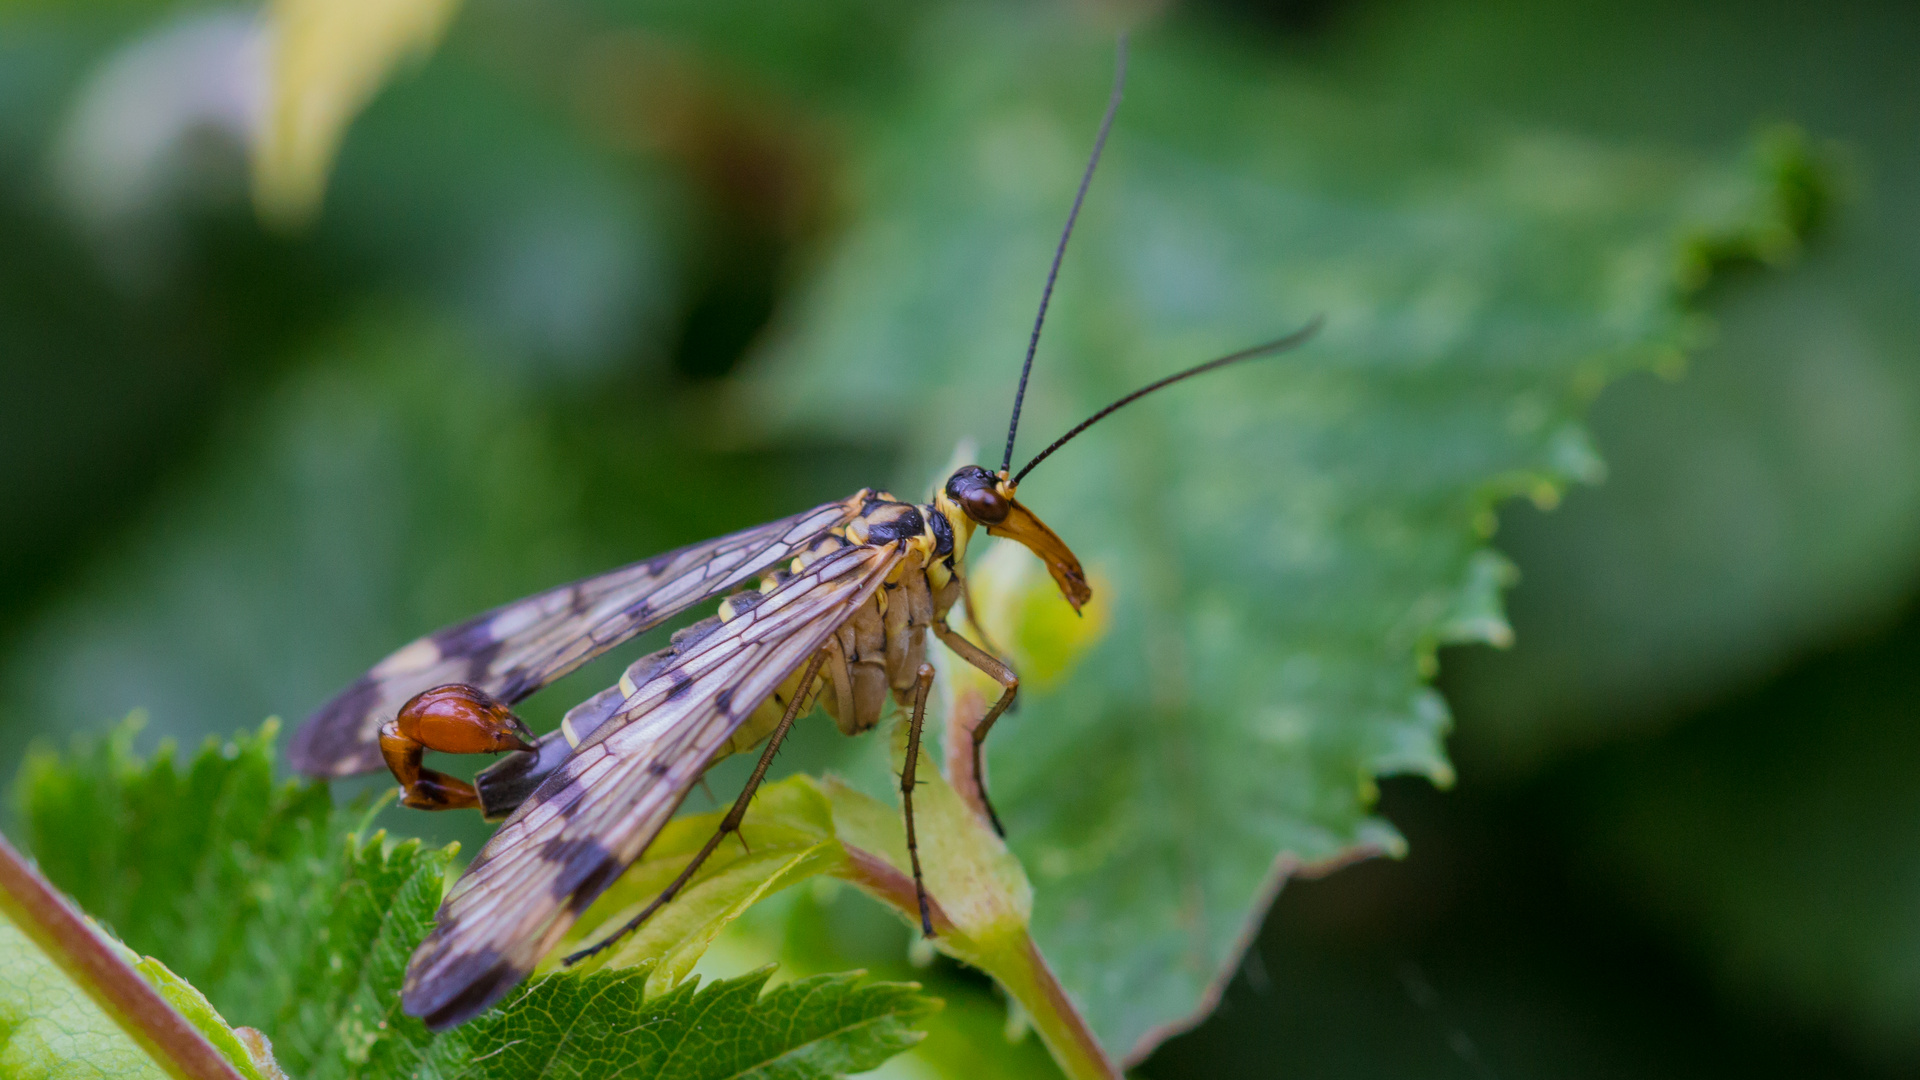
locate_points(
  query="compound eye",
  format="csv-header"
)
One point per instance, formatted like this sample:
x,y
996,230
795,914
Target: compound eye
x,y
984,505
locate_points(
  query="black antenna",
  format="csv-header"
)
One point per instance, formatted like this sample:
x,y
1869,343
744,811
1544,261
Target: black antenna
x,y
1099,144
1271,347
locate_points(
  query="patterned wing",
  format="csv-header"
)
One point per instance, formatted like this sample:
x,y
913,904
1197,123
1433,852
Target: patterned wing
x,y
590,820
518,648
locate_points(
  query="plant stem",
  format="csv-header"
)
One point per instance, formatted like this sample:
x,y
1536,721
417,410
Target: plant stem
x,y
63,934
1060,1026
1012,960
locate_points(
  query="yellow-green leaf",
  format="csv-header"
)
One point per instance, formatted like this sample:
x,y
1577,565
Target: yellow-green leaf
x,y
52,1029
786,837
327,60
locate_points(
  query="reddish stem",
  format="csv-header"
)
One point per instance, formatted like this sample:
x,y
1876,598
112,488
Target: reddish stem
x,y
63,934
969,708
1026,977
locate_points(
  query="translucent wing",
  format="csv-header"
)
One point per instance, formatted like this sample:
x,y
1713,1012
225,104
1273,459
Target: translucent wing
x,y
518,648
597,814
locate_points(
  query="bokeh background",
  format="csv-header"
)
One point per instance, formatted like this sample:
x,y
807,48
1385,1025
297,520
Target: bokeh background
x,y
239,462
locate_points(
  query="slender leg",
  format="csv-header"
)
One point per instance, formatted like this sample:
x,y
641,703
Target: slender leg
x,y
973,619
1010,684
728,824
907,784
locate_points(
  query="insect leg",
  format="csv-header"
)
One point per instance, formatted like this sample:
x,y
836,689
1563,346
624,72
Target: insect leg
x,y
973,619
907,784
731,823
1010,683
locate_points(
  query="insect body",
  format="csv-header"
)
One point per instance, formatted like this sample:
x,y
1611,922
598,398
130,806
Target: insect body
x,y
848,593
833,604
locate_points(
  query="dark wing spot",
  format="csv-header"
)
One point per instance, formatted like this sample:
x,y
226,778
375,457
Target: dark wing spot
x,y
639,672
682,682
480,662
515,683
472,984
724,701
467,638
586,867
507,783
329,742
688,636
658,767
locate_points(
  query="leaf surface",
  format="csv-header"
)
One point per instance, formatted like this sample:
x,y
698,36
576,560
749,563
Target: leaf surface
x,y
52,1029
343,1015
316,953
327,58
197,866
786,837
601,1024
1287,543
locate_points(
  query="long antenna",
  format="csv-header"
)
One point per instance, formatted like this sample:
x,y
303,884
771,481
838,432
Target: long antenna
x,y
1099,144
1271,347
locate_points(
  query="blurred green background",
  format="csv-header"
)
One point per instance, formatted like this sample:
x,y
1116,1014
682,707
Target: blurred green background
x,y
240,463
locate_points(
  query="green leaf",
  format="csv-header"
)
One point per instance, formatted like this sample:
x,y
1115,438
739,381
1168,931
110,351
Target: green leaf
x,y
1760,512
1283,546
245,1048
314,950
602,1024
979,896
799,828
1769,502
823,926
328,58
52,1029
244,887
342,1015
786,837
191,865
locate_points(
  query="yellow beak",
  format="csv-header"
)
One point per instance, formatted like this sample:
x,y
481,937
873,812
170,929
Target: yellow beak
x,y
1022,526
